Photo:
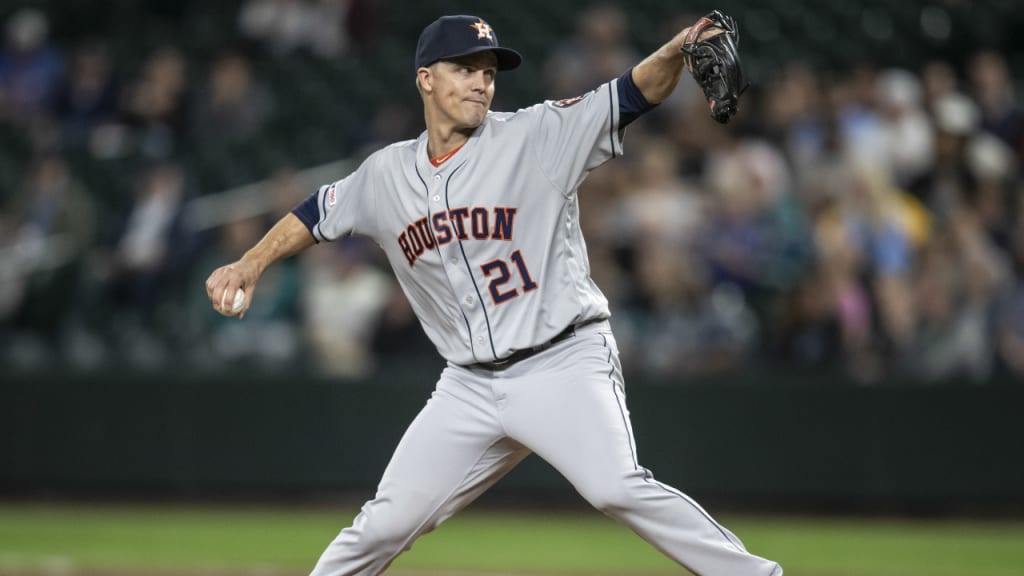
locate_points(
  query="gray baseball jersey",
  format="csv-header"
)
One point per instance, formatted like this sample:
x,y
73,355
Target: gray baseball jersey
x,y
487,247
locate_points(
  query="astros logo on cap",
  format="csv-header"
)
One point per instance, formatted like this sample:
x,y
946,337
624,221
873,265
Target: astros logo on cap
x,y
483,30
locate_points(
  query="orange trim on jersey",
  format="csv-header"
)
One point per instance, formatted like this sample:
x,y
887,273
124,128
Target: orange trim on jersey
x,y
445,157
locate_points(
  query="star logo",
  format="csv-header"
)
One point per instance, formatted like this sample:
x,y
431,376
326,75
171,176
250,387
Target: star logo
x,y
483,30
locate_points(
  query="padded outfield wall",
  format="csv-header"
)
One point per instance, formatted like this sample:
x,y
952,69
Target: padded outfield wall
x,y
799,444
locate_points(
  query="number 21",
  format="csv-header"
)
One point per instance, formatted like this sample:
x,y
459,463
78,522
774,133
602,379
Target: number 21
x,y
500,268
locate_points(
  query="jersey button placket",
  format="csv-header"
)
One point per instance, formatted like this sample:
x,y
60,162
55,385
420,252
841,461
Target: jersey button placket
x,y
461,280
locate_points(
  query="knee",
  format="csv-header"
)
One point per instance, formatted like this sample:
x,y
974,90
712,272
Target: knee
x,y
610,497
387,533
390,529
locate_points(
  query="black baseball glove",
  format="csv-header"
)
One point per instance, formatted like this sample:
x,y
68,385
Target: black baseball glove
x,y
715,63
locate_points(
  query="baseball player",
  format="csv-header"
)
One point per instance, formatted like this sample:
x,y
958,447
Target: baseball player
x,y
479,219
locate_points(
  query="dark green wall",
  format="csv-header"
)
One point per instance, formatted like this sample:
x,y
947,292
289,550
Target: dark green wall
x,y
788,443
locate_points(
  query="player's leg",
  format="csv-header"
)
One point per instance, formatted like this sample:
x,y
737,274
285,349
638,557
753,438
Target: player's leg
x,y
451,453
569,408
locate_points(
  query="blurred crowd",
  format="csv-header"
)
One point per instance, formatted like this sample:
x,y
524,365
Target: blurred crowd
x,y
862,220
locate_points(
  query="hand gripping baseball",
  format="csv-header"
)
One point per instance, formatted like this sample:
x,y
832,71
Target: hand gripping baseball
x,y
711,49
230,288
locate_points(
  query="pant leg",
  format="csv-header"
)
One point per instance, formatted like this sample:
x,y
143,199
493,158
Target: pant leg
x,y
569,408
451,453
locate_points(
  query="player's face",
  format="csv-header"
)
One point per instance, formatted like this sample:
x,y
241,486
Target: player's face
x,y
464,87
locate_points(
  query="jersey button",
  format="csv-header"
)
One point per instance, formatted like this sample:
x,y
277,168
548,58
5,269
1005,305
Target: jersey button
x,y
469,300
454,260
437,176
480,339
437,198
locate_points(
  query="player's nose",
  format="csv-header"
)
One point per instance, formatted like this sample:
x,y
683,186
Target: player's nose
x,y
480,80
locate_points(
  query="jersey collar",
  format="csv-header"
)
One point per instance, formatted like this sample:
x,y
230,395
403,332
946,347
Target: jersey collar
x,y
457,159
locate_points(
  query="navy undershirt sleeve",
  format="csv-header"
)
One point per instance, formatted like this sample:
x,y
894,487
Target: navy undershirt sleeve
x,y
631,100
307,212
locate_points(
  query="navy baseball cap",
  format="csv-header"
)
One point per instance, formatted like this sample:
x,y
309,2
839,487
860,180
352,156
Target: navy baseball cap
x,y
453,36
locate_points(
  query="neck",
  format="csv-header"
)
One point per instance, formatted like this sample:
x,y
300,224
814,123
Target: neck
x,y
443,137
441,141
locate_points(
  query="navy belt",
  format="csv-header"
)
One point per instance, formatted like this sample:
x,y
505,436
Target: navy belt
x,y
520,355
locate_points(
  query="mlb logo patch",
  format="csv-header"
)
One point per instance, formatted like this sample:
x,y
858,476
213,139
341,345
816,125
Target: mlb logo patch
x,y
566,102
332,196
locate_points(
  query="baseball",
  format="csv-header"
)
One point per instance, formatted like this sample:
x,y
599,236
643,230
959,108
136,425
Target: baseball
x,y
236,306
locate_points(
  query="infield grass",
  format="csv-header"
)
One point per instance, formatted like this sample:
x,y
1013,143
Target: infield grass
x,y
263,539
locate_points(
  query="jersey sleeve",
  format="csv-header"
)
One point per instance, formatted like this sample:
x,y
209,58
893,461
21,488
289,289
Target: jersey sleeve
x,y
576,135
341,208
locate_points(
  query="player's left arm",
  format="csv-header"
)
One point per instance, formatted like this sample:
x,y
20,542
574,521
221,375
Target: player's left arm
x,y
658,74
650,82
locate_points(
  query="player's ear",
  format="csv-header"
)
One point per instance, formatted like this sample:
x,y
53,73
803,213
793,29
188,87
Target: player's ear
x,y
424,80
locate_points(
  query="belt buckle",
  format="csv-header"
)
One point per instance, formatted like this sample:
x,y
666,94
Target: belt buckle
x,y
502,362
512,358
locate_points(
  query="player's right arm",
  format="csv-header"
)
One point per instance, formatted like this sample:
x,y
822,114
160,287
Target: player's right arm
x,y
339,209
289,236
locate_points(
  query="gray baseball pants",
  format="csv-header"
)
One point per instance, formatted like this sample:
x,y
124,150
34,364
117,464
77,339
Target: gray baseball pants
x,y
566,404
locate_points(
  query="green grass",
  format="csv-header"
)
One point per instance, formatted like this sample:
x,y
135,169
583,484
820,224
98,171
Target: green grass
x,y
180,539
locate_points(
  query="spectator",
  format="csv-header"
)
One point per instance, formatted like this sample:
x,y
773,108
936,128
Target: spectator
x,y
994,169
48,230
1010,331
884,227
828,119
156,105
152,244
938,80
343,295
30,67
88,96
232,106
392,122
598,52
854,103
692,132
943,189
835,314
397,337
1009,324
755,234
286,26
955,288
906,133
993,89
794,109
659,205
